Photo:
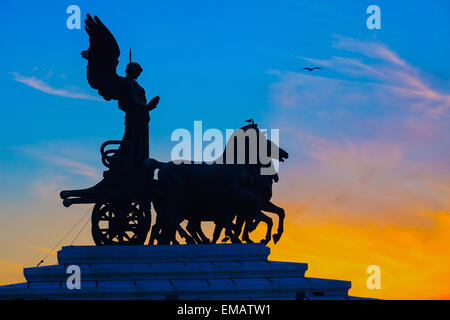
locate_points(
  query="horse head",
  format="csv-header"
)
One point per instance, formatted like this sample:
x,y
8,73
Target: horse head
x,y
250,145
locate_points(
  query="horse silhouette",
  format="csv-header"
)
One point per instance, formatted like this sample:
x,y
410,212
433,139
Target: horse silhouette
x,y
219,191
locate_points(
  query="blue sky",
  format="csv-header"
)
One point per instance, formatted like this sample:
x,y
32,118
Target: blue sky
x,y
372,124
215,61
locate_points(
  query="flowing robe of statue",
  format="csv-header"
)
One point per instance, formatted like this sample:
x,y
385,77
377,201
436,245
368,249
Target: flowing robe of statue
x,y
134,149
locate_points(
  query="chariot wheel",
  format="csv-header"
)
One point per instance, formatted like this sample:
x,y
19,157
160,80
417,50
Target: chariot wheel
x,y
120,222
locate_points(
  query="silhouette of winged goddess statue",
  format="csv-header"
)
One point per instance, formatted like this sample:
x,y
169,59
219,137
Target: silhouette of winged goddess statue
x,y
102,56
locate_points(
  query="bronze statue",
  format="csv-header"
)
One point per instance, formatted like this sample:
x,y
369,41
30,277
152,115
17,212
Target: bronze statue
x,y
217,192
229,193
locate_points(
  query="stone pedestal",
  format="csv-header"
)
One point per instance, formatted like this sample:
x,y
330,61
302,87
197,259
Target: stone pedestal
x,y
221,271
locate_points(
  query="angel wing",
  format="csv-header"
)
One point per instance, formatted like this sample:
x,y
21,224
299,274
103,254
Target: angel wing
x,y
102,56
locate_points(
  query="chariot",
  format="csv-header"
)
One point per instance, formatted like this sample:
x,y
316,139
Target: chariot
x,y
122,201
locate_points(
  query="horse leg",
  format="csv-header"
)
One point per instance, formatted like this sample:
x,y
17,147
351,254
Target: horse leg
x,y
254,204
268,221
217,231
254,222
237,229
194,228
200,233
165,236
229,233
245,236
173,239
161,211
251,224
170,226
191,228
270,207
238,226
155,233
232,231
185,235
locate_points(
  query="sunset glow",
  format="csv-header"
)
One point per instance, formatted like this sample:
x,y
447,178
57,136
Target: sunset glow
x,y
367,181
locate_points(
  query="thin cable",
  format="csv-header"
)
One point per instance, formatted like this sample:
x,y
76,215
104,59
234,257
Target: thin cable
x,y
84,226
71,229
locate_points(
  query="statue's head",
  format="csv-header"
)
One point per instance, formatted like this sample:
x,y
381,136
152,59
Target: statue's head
x,y
133,70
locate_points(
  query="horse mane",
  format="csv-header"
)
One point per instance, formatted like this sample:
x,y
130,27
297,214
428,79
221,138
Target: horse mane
x,y
232,144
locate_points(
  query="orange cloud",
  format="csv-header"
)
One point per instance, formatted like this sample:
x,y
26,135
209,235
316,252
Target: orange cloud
x,y
11,264
354,203
10,272
414,262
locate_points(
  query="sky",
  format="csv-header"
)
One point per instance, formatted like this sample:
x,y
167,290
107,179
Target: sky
x,y
368,177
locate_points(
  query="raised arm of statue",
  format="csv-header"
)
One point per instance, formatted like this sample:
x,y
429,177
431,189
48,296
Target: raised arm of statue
x,y
153,103
136,99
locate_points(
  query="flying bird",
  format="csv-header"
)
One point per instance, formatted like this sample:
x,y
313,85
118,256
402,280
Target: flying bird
x,y
311,69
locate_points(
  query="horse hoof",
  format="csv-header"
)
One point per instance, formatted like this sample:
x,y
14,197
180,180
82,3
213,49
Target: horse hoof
x,y
276,238
225,239
265,241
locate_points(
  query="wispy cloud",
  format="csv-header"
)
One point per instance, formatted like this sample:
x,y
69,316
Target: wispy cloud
x,y
12,264
387,73
66,154
45,87
368,136
369,49
73,166
48,189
